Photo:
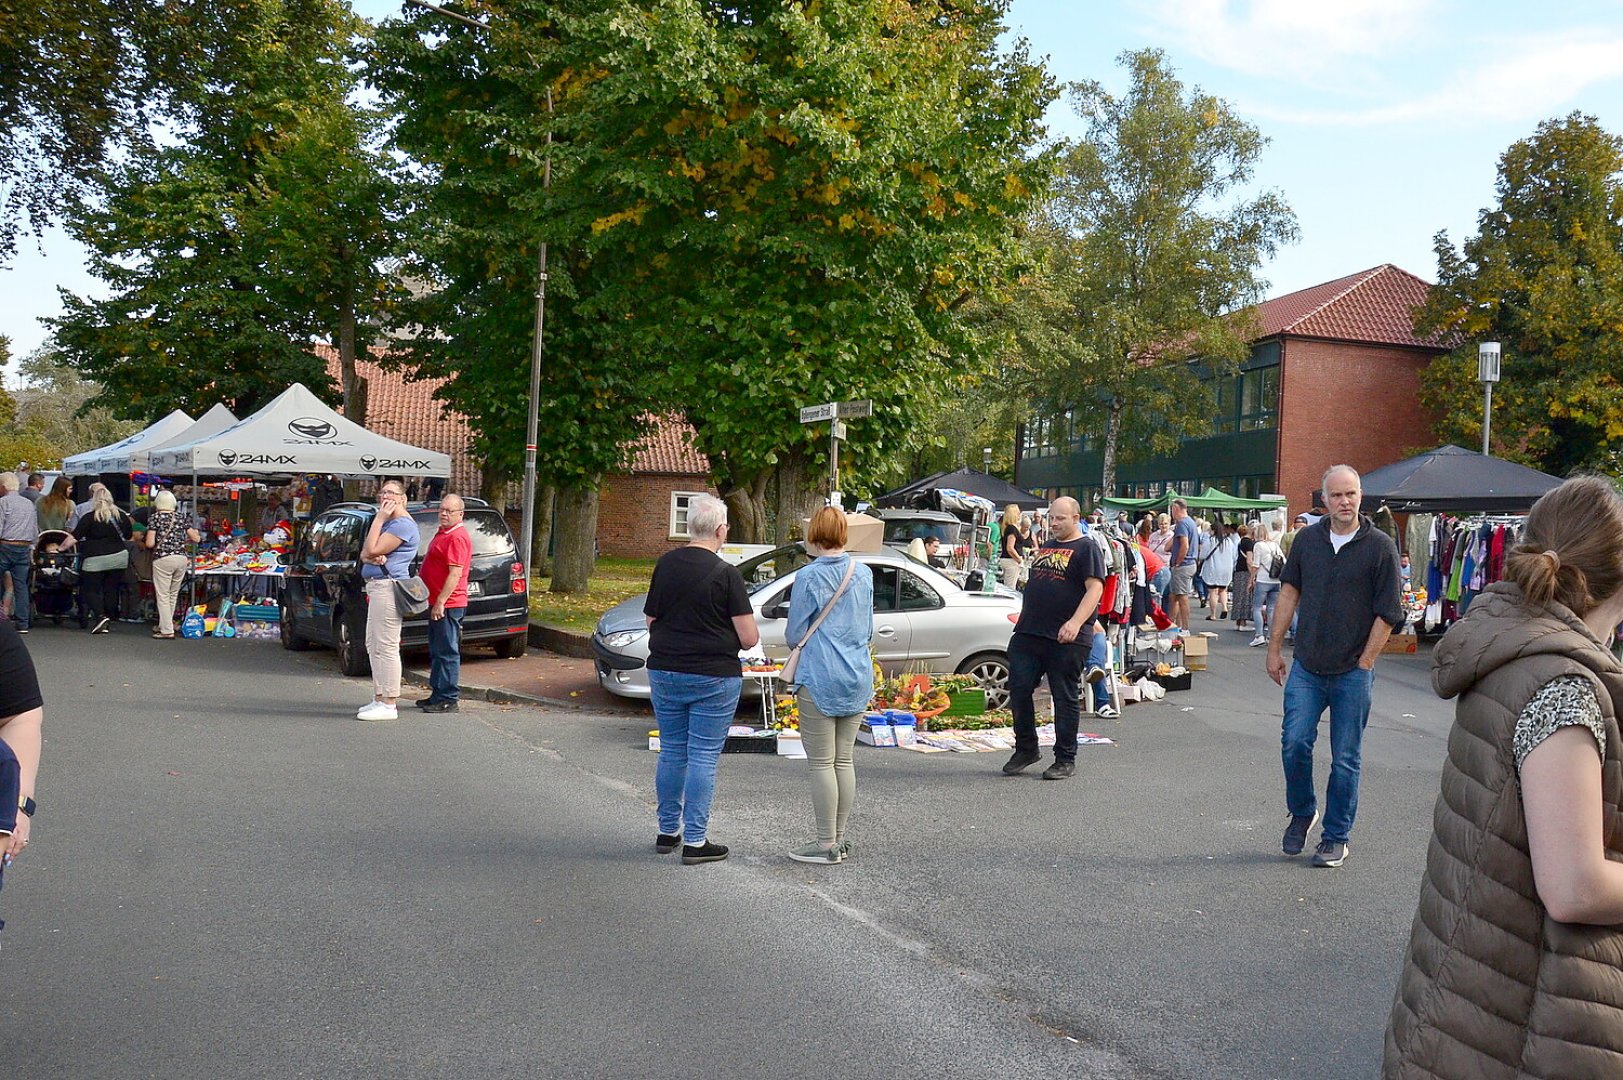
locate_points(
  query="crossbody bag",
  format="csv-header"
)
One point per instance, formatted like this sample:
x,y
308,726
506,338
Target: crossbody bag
x,y
792,664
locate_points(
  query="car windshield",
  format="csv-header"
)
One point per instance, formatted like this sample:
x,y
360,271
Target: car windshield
x,y
764,569
486,529
905,530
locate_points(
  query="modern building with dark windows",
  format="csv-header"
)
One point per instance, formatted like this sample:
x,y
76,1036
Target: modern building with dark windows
x,y
1333,377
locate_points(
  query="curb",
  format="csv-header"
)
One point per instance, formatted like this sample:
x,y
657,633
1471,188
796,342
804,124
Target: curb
x,y
555,639
496,695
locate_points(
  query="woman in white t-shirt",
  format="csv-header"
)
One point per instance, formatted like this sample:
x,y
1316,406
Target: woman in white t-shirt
x,y
1217,569
1266,557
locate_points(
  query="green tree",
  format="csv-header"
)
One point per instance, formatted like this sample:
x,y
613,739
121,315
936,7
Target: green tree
x,y
1147,255
788,204
257,228
1543,276
54,403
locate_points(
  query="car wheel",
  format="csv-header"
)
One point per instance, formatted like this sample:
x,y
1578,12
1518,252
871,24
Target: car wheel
x,y
991,670
513,646
291,641
350,634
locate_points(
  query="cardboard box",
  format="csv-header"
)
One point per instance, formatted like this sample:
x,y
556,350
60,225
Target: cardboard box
x,y
1196,646
1401,644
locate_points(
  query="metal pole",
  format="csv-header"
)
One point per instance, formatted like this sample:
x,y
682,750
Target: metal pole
x,y
833,463
537,345
1487,414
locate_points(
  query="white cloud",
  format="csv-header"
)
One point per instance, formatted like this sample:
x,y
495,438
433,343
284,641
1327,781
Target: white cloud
x,y
1297,39
1505,81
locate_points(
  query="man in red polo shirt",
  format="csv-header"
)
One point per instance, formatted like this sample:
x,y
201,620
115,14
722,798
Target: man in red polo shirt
x,y
445,572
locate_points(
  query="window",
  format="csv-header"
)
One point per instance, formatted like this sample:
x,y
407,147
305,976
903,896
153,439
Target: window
x,y
1228,392
1259,399
680,501
884,588
916,595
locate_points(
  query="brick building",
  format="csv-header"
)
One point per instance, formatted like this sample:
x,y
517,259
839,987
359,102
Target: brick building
x,y
641,512
1333,376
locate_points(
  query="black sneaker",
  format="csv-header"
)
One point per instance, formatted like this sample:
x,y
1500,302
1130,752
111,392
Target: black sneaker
x,y
1330,853
1296,830
665,843
425,702
1060,770
439,706
1095,674
1019,762
705,852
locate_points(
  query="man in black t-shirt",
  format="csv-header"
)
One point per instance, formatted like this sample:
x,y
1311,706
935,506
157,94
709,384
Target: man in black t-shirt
x,y
1053,637
21,714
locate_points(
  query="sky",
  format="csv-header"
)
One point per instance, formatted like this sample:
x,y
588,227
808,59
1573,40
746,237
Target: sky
x,y
1385,118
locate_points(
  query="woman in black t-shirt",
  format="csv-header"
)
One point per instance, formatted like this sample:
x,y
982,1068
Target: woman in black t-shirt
x,y
1242,579
699,617
101,538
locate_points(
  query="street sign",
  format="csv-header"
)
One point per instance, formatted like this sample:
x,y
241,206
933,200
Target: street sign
x,y
851,410
837,430
813,414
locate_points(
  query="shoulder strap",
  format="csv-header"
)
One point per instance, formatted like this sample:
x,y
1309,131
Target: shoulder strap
x,y
850,569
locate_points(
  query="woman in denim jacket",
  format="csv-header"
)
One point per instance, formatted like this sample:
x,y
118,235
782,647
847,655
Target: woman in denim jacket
x,y
835,678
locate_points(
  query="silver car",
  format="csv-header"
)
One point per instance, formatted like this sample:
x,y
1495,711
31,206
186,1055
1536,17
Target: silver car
x,y
920,619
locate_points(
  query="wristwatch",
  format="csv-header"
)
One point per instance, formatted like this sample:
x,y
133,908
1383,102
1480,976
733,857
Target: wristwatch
x,y
27,805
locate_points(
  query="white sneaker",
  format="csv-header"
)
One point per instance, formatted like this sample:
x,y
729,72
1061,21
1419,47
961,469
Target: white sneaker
x,y
377,710
1260,639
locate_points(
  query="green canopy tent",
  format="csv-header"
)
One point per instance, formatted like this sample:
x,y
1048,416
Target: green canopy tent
x,y
1210,499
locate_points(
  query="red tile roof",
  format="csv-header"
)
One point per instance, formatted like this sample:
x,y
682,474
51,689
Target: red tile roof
x,y
408,411
1375,306
668,448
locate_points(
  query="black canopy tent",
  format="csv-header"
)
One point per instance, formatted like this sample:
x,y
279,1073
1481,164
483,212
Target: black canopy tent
x,y
1452,479
921,494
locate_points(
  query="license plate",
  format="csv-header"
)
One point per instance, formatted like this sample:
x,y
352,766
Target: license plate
x,y
475,589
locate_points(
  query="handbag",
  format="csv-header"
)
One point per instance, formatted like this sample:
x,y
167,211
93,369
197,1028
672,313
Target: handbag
x,y
411,595
792,664
97,564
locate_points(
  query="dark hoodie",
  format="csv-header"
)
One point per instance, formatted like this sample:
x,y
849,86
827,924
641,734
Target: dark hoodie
x,y
1342,593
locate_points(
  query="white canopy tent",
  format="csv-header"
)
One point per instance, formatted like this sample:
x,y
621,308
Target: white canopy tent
x,y
88,463
297,433
139,459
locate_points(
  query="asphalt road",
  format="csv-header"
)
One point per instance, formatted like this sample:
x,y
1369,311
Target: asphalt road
x,y
233,878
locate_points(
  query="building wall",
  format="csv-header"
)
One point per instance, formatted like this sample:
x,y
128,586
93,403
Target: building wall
x,y
1343,403
633,513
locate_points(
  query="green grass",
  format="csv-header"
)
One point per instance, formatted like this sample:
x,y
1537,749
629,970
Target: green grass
x,y
614,580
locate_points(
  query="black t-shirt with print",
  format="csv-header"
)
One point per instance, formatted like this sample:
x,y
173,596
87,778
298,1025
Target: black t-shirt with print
x,y
693,598
1055,585
19,685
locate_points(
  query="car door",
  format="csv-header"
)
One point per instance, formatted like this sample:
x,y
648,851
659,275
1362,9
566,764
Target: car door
x,y
298,583
924,609
892,626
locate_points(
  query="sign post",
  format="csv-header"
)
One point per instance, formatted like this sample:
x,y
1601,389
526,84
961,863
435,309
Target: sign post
x,y
836,412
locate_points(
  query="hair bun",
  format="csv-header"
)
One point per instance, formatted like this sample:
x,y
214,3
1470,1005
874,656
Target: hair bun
x,y
1555,561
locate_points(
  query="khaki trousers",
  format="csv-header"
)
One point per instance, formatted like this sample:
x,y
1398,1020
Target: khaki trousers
x,y
383,637
167,574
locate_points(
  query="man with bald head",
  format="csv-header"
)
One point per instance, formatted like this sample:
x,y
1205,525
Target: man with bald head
x,y
1341,578
1054,636
445,572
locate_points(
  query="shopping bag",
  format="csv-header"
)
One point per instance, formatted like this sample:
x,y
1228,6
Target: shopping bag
x,y
192,625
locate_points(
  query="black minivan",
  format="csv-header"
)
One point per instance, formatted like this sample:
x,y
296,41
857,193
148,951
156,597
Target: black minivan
x,y
323,601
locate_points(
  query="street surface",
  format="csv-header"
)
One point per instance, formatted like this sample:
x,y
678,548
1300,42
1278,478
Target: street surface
x,y
231,877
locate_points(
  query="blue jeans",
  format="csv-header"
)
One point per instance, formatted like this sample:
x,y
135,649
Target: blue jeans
x,y
1263,598
1098,654
1030,658
16,561
445,655
1159,583
1306,697
693,713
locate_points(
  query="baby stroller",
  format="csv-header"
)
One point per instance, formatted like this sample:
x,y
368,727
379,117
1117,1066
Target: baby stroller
x,y
56,577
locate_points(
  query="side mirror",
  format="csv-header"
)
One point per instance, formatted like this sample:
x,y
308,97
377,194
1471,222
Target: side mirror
x,y
776,611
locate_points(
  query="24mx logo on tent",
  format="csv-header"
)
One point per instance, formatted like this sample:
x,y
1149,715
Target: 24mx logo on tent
x,y
311,427
229,458
371,464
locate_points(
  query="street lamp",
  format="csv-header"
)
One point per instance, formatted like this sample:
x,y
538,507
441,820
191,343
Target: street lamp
x,y
1487,373
537,338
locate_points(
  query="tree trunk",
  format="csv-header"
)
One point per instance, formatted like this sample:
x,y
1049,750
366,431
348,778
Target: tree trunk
x,y
797,493
541,557
577,539
353,386
493,488
1112,437
746,509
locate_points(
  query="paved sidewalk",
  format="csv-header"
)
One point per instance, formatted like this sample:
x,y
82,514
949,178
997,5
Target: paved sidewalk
x,y
536,678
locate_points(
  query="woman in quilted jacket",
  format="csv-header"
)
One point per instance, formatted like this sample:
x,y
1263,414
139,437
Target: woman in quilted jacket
x,y
1515,962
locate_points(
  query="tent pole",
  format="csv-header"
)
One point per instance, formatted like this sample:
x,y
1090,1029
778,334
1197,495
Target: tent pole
x,y
192,601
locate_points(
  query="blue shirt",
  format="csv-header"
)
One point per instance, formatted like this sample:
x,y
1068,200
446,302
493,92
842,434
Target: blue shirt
x,y
1187,529
835,666
397,564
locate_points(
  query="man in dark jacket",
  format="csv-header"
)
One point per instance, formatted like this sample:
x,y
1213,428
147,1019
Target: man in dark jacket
x,y
1341,584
